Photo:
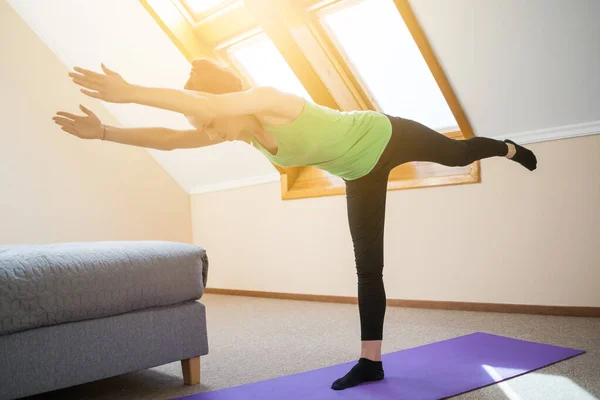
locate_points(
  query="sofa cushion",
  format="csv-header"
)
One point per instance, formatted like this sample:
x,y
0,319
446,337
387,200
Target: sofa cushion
x,y
44,285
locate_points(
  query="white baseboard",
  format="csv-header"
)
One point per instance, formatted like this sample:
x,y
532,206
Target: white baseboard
x,y
236,183
549,134
540,135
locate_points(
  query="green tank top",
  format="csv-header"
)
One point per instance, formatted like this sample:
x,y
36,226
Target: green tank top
x,y
347,144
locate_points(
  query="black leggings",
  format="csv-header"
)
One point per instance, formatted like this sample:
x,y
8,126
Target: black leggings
x,y
410,141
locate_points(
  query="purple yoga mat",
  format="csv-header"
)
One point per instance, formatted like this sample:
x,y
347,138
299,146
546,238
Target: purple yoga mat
x,y
433,371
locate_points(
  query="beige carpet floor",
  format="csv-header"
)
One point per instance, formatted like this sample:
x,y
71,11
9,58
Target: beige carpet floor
x,y
253,339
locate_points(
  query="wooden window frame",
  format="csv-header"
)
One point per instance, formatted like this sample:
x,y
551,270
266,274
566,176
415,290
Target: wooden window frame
x,y
310,51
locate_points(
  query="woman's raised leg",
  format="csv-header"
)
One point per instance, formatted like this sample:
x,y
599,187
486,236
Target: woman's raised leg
x,y
413,141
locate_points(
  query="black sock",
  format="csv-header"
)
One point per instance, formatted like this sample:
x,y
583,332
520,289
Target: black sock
x,y
524,156
366,370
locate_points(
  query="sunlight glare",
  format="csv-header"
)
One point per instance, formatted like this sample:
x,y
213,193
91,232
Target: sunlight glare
x,y
537,385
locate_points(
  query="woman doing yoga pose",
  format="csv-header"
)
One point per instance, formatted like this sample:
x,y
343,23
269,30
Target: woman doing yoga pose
x,y
361,147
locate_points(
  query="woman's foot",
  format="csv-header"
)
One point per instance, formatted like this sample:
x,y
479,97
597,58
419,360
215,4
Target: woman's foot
x,y
523,156
365,371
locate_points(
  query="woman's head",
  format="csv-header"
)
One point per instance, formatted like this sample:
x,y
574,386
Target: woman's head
x,y
212,77
209,76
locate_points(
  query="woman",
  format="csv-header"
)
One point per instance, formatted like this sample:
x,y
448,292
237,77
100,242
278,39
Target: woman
x,y
362,147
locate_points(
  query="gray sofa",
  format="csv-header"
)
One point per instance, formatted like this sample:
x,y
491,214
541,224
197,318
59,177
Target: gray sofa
x,y
72,313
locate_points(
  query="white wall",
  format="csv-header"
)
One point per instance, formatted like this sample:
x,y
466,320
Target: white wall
x,y
518,237
57,188
518,65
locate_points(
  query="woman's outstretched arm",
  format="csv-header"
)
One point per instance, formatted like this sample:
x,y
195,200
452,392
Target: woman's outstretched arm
x,y
90,127
160,138
111,87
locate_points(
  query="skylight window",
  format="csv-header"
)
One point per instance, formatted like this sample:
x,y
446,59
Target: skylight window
x,y
264,64
373,37
351,54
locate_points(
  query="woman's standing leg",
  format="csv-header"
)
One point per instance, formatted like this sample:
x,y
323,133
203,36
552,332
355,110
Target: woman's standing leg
x,y
366,198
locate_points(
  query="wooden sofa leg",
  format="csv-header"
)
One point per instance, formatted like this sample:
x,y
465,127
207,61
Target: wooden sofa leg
x,y
191,371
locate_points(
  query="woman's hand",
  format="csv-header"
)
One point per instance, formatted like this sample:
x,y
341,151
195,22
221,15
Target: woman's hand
x,y
88,127
109,86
